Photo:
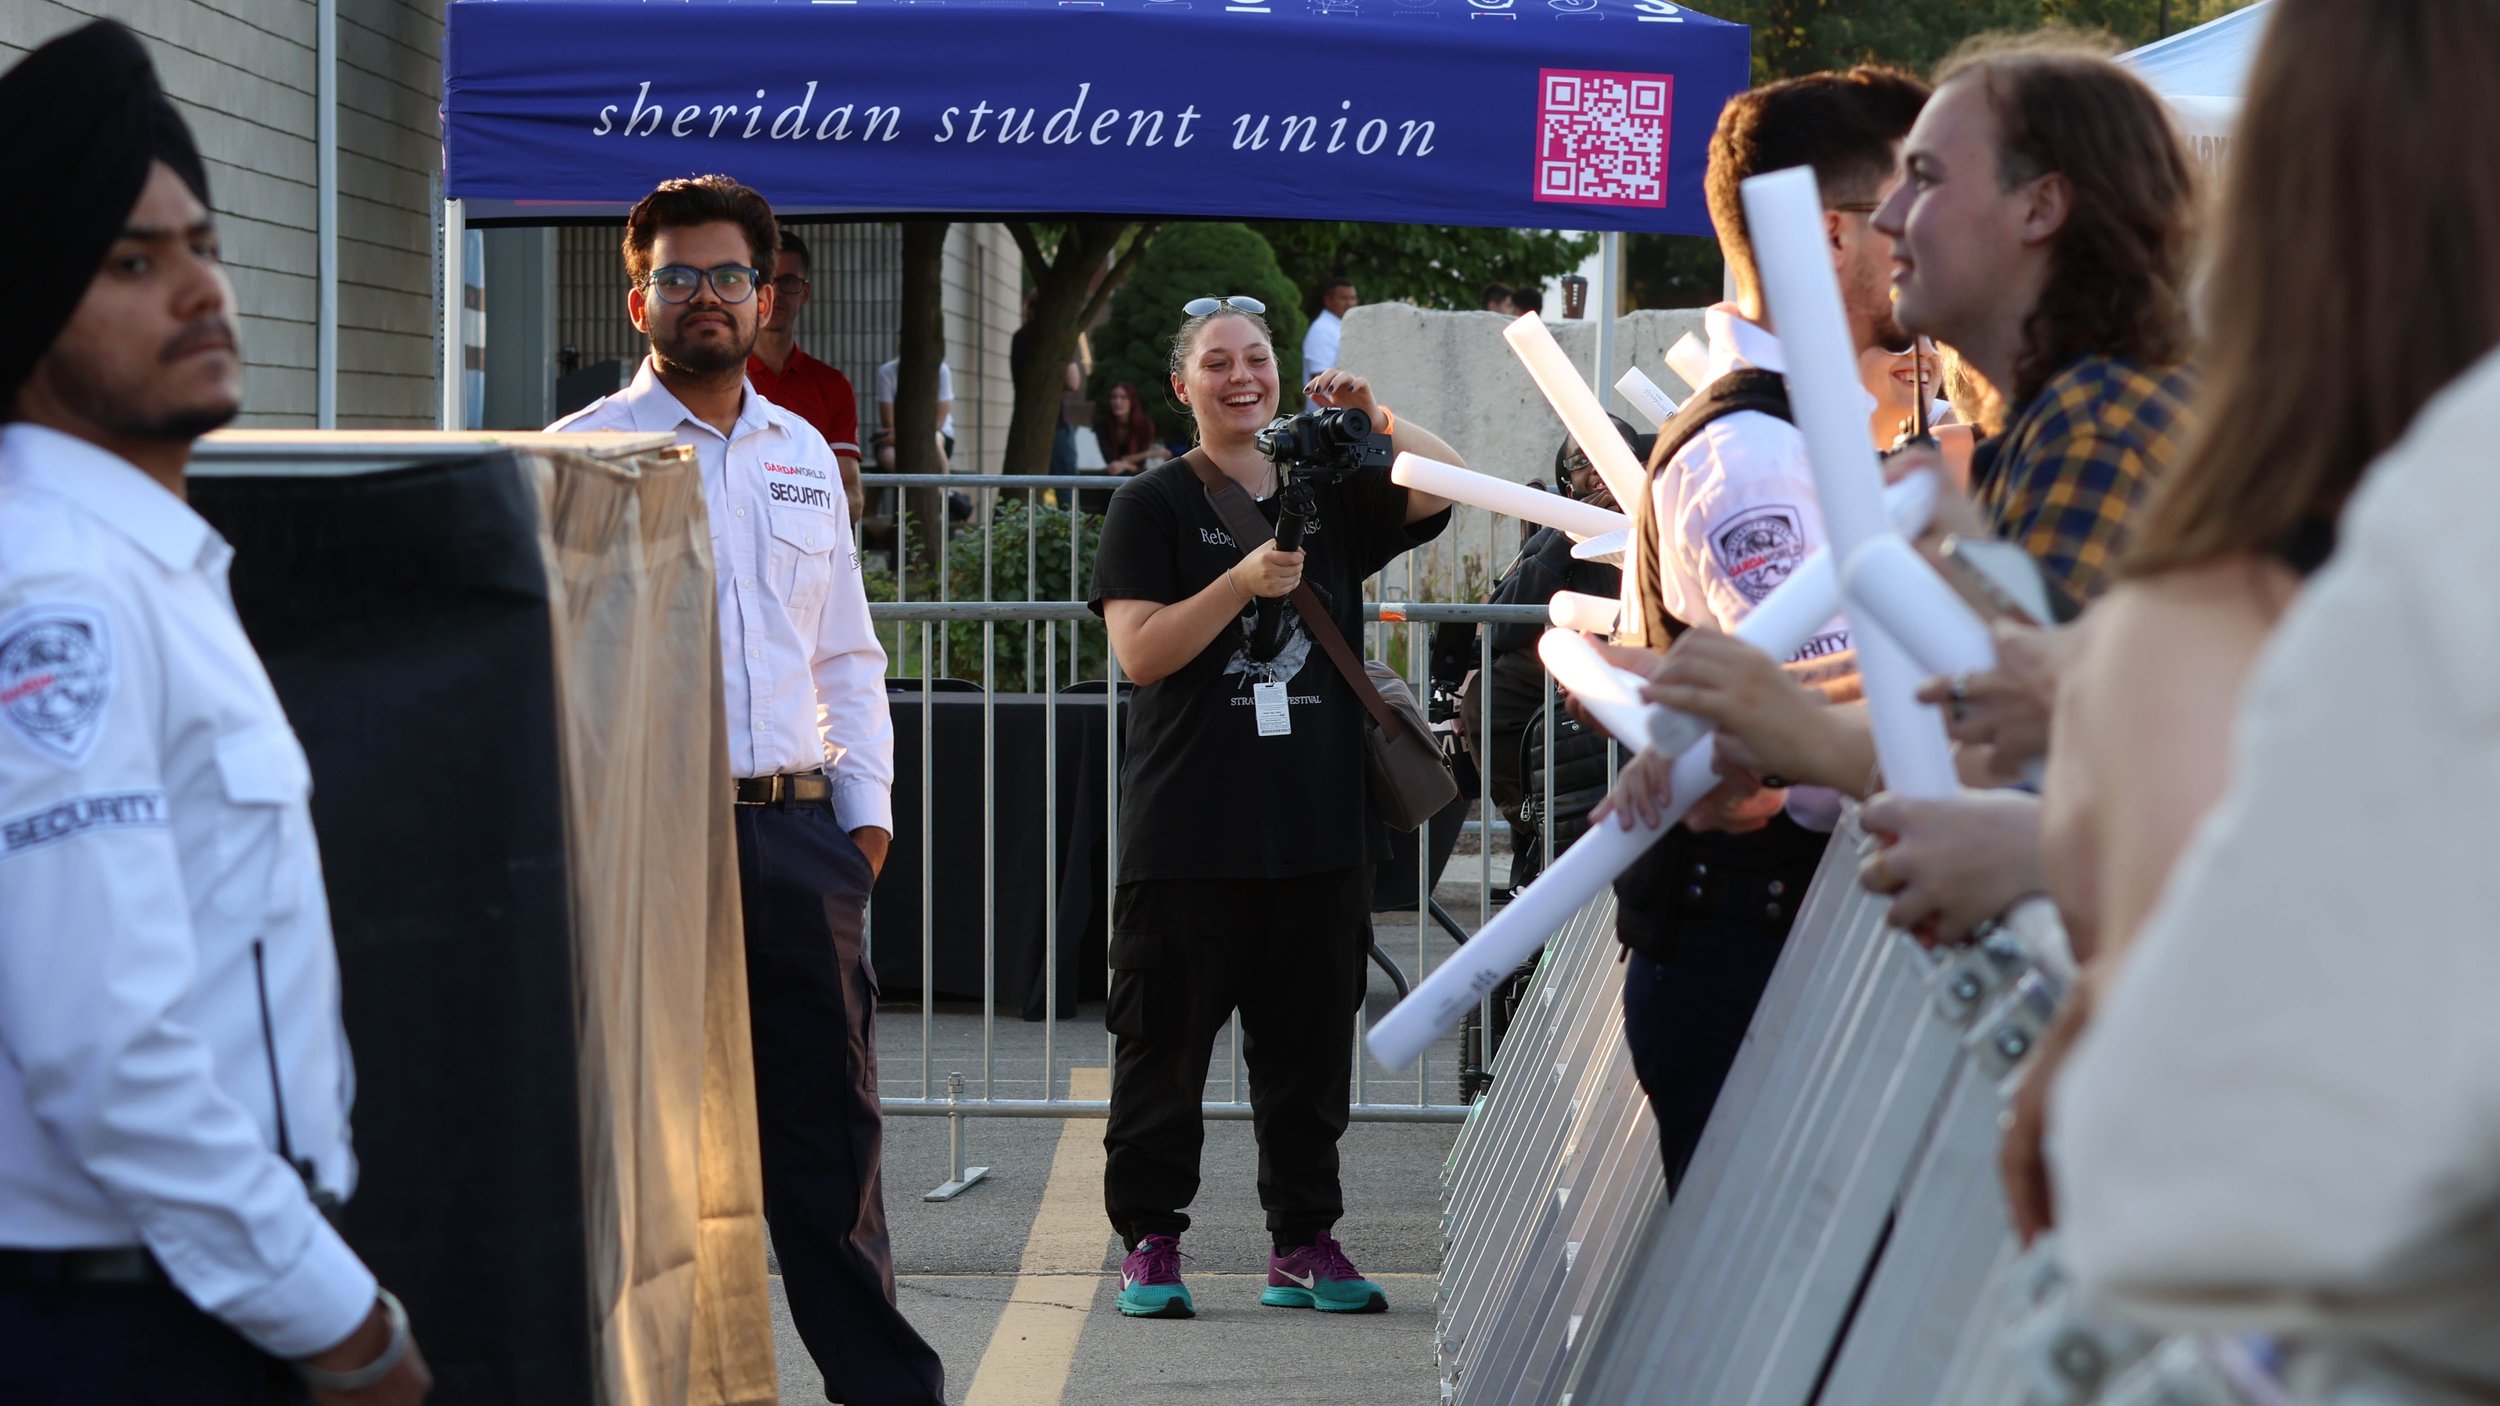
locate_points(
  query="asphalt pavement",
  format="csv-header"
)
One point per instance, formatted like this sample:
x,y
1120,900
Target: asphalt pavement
x,y
1027,1235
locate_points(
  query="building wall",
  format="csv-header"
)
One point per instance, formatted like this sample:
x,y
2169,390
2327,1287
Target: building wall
x,y
243,73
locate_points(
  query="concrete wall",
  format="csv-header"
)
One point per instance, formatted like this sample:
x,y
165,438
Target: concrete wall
x,y
1453,373
243,72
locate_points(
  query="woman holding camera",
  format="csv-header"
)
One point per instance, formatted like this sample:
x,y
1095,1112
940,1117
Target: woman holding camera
x,y
1246,838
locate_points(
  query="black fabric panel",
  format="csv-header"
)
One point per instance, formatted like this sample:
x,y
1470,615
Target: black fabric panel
x,y
404,618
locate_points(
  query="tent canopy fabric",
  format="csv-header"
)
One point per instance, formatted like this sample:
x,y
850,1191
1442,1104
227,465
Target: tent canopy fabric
x,y
2201,72
1577,114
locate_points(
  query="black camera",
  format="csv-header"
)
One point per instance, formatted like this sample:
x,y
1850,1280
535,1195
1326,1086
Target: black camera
x,y
1324,444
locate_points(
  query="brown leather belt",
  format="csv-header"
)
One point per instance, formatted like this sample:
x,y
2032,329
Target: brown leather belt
x,y
807,788
61,1269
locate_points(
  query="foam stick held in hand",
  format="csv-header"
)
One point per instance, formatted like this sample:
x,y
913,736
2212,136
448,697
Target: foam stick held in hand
x,y
1887,579
1690,359
1581,411
1576,876
1614,696
1500,495
1784,217
1590,615
1643,395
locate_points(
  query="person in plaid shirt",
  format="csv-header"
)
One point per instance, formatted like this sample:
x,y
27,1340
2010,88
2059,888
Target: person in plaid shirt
x,y
2043,231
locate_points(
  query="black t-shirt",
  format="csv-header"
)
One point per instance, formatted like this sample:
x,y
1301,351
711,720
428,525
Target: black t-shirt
x,y
1202,794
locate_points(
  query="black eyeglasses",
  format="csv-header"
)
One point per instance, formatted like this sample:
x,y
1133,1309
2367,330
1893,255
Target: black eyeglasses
x,y
1857,207
791,286
731,283
1200,307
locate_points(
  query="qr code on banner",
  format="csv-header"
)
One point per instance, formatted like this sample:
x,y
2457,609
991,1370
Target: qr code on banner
x,y
1602,137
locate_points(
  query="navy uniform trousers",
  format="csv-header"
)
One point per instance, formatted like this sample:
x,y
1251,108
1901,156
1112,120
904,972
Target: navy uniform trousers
x,y
129,1345
812,1002
1705,917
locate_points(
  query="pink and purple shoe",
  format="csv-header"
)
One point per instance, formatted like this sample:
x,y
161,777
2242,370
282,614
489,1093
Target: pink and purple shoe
x,y
1150,1281
1319,1276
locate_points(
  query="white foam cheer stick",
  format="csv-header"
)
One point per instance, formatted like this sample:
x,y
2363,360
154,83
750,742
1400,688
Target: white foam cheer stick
x,y
1594,615
1581,411
1642,393
1500,495
1886,578
1614,696
1690,359
1576,876
1784,217
1790,615
1608,549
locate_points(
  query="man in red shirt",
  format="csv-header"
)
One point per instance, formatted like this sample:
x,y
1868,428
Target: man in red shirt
x,y
799,383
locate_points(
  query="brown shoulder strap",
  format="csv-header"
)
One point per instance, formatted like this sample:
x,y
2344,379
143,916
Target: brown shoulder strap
x,y
1249,530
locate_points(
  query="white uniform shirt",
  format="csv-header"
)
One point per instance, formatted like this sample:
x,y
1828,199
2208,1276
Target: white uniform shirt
x,y
802,669
1319,348
154,830
892,372
1737,515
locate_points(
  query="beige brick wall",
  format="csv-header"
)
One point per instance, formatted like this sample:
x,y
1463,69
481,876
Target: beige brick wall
x,y
243,73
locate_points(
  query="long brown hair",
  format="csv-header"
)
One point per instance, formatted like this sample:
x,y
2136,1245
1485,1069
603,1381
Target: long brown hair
x,y
2356,272
1123,434
2118,271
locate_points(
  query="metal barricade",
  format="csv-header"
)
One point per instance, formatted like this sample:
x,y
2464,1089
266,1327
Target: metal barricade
x,y
1028,625
1839,1239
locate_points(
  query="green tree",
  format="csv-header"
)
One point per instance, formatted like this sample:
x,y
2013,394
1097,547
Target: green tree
x,y
1192,261
1073,271
1430,266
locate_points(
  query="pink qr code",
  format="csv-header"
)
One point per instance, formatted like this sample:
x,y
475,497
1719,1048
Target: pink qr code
x,y
1602,137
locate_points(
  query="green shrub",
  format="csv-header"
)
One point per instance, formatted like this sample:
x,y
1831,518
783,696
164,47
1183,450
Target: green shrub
x,y
1009,659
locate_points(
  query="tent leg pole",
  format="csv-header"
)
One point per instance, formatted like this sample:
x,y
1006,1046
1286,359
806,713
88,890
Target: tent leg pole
x,y
455,280
1604,301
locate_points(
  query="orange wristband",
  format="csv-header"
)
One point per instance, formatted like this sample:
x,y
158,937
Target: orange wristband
x,y
1388,420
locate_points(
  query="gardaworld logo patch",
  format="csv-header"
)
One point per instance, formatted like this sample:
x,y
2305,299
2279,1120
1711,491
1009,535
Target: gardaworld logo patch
x,y
1760,549
56,675
1602,137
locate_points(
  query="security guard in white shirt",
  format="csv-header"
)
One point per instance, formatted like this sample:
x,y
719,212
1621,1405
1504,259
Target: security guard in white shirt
x,y
810,737
1730,515
175,1086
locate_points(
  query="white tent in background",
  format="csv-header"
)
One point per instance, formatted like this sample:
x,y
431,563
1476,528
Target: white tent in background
x,y
2201,73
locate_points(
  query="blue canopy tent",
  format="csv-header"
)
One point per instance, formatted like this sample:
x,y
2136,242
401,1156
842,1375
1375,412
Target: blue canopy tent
x,y
1580,114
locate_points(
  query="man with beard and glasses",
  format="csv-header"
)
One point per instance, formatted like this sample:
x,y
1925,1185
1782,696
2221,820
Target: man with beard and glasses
x,y
1730,513
174,1079
810,738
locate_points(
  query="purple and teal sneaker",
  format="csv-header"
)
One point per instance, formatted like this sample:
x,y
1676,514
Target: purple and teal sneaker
x,y
1320,1276
1150,1281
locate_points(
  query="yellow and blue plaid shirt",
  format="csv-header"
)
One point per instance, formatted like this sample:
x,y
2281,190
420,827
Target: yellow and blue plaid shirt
x,y
2063,479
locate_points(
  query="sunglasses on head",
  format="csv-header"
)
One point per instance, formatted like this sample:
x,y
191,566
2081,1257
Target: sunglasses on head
x,y
1200,307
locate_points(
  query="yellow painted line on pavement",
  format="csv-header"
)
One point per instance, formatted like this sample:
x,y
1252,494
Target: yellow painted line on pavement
x,y
1034,1346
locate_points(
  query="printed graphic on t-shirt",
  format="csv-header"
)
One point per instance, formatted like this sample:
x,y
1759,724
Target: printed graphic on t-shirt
x,y
1291,655
1760,548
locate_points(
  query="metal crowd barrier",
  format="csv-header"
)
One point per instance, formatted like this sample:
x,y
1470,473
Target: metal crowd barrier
x,y
1051,622
1840,1238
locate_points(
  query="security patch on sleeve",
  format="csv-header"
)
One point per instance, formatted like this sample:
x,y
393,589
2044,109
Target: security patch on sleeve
x,y
125,810
56,676
1759,548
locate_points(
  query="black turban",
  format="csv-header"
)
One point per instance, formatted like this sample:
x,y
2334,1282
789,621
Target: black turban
x,y
86,119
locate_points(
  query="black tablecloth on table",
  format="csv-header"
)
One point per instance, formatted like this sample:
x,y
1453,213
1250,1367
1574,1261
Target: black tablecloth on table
x,y
1021,789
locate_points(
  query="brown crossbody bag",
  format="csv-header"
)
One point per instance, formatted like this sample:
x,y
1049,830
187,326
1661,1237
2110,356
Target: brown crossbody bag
x,y
1402,762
